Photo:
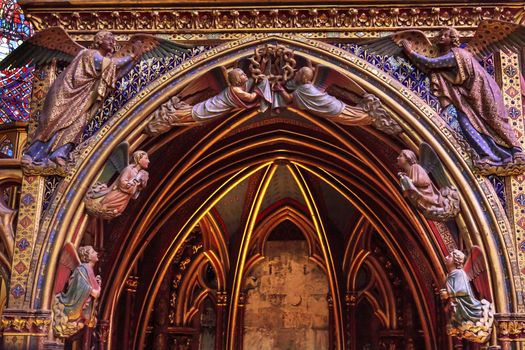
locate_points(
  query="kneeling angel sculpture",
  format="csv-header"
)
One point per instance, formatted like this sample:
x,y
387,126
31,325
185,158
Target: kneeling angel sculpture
x,y
469,317
109,196
75,306
439,204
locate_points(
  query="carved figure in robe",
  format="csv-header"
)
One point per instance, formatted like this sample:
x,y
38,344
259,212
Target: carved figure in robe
x,y
457,78
470,318
439,204
74,307
308,91
76,94
109,201
213,95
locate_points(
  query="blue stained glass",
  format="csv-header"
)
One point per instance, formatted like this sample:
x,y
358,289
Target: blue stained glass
x,y
15,84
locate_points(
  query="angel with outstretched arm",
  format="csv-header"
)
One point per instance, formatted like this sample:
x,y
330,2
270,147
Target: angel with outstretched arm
x,y
79,90
75,306
214,94
458,78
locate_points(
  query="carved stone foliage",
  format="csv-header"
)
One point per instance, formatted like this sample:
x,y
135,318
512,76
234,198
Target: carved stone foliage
x,y
165,20
510,326
14,321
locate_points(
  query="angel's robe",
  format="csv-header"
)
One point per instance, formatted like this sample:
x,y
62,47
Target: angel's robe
x,y
421,188
72,95
224,102
458,79
130,182
78,304
310,98
465,306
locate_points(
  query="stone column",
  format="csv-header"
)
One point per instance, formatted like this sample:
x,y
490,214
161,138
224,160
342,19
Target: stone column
x,y
240,320
222,302
331,322
350,301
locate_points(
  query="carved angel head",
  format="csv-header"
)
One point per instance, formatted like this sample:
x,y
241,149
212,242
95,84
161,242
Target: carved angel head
x,y
237,77
105,41
87,254
455,259
304,75
141,159
448,37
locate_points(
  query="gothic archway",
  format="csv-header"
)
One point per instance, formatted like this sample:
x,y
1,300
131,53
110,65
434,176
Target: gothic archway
x,y
357,164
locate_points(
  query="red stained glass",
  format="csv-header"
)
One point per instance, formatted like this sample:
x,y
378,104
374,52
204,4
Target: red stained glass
x,y
15,85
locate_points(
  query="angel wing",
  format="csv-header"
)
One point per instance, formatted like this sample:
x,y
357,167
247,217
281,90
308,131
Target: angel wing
x,y
207,85
494,35
69,261
116,162
151,46
326,77
429,160
476,269
390,45
41,48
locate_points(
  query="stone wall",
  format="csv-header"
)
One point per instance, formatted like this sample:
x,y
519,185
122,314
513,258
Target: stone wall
x,y
286,305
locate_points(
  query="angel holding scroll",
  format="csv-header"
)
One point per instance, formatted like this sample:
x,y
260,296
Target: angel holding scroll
x,y
458,78
76,94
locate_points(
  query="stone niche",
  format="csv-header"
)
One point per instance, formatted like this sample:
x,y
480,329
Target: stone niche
x,y
286,306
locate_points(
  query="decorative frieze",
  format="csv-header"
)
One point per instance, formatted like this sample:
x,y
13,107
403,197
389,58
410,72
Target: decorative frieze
x,y
35,322
228,23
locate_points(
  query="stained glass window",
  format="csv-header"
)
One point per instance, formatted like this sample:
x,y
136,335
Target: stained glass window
x,y
15,85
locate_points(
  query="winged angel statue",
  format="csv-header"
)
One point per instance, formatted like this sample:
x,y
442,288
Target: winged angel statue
x,y
75,306
469,317
118,183
76,94
458,78
439,204
275,82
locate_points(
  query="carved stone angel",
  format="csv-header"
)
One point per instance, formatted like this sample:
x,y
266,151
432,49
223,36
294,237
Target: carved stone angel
x,y
457,78
75,306
109,201
469,317
439,204
308,92
212,95
78,91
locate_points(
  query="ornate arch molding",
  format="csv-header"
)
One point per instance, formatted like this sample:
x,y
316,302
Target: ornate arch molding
x,y
419,121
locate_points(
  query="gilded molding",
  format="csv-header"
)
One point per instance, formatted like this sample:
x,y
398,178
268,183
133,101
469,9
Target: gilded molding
x,y
234,22
510,327
35,323
509,66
